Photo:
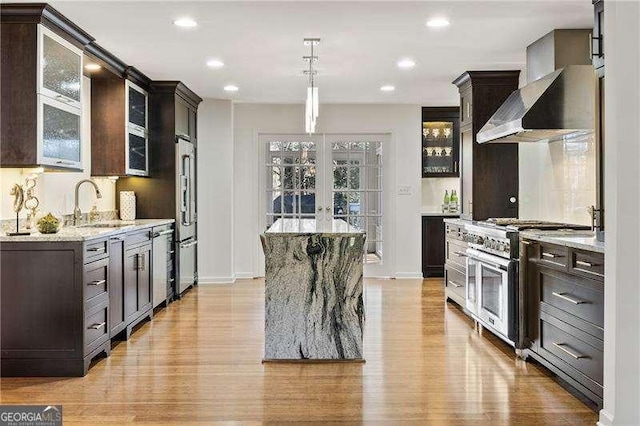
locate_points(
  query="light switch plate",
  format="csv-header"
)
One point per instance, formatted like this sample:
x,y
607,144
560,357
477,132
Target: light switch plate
x,y
404,189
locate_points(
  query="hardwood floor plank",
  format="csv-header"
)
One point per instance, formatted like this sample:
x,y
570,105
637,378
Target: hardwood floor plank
x,y
199,362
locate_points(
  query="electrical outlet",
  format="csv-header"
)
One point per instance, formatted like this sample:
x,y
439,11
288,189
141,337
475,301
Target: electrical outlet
x,y
404,190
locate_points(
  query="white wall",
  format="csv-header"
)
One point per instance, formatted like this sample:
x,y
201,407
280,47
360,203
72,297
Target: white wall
x,y
558,180
622,207
55,190
404,252
433,192
215,191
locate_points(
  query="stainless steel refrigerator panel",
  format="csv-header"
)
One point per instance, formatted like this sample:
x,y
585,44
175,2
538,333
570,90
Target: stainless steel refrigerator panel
x,y
188,253
186,189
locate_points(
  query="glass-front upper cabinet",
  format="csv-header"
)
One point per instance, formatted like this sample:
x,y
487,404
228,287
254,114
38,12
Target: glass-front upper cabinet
x,y
137,106
59,98
60,71
440,142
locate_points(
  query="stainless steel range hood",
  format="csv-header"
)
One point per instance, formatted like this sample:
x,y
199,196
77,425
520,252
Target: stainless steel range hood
x,y
561,104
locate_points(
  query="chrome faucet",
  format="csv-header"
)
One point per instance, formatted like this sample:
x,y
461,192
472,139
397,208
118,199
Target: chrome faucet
x,y
77,213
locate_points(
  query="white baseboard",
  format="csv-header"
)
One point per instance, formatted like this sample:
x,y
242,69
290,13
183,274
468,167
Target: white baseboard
x,y
244,275
216,280
606,419
409,275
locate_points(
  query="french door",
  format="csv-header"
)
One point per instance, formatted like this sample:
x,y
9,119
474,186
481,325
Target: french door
x,y
326,177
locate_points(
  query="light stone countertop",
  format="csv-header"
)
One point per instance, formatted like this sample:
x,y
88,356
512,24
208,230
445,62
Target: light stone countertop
x,y
311,226
432,212
584,240
80,233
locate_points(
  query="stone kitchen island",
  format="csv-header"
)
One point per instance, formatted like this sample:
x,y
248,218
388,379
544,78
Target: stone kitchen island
x,y
314,307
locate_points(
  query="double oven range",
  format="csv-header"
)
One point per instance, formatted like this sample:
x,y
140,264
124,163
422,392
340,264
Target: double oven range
x,y
494,292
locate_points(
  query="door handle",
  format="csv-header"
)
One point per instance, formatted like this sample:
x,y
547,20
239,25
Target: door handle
x,y
569,299
97,326
319,209
574,355
143,262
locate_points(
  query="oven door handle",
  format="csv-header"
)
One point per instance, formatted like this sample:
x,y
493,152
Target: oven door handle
x,y
498,263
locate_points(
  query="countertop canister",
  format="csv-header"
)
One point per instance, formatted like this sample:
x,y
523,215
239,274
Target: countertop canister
x,y
127,205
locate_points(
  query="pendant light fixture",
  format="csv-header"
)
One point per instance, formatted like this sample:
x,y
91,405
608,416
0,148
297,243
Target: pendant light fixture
x,y
312,103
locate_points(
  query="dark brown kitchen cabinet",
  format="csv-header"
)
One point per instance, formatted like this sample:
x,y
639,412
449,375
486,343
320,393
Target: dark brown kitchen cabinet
x,y
41,85
119,125
116,293
54,307
433,246
440,142
132,289
564,313
489,171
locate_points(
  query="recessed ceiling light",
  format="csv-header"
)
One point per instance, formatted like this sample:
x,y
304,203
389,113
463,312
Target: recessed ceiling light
x,y
231,88
185,23
92,67
388,88
215,63
406,63
438,22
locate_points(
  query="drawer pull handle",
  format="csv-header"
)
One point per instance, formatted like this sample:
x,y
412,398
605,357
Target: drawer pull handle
x,y
120,238
581,263
456,285
99,282
549,255
561,346
460,254
97,326
568,299
96,249
172,280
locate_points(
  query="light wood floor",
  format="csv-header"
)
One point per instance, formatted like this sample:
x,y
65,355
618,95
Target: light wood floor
x,y
200,361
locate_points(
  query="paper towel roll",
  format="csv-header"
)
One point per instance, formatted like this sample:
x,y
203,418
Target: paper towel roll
x,y
127,205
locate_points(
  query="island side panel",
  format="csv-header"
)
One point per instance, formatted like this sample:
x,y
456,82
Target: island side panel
x,y
314,307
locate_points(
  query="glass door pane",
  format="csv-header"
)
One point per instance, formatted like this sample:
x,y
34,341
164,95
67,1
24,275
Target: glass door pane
x,y
137,153
437,147
60,68
355,173
61,134
491,299
291,170
137,106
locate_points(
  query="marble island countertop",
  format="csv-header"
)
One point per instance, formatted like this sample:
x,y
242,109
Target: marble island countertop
x,y
90,232
584,240
311,226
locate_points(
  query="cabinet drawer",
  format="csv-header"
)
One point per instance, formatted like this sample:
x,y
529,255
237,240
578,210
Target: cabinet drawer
x,y
552,255
96,280
560,341
587,263
138,238
580,297
96,326
95,250
455,281
456,254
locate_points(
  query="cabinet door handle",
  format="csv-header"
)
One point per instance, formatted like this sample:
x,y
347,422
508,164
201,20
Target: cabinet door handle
x,y
143,262
455,284
581,263
569,299
64,99
549,255
97,326
96,249
460,254
455,167
98,282
561,346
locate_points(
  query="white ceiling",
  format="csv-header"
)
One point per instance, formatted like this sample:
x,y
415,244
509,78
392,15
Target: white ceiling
x,y
261,43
